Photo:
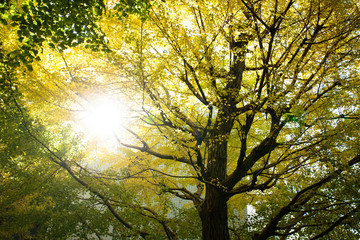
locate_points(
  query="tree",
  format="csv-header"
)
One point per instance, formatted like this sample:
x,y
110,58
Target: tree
x,y
242,102
37,199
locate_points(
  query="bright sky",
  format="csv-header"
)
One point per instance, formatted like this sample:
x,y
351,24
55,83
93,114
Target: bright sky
x,y
103,117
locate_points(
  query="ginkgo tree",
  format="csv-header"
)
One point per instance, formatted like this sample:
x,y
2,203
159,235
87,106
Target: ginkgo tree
x,y
235,103
38,200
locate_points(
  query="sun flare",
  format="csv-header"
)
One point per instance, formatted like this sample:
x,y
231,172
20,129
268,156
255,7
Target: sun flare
x,y
104,117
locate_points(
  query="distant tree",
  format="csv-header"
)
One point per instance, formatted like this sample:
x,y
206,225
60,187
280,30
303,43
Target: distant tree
x,y
38,200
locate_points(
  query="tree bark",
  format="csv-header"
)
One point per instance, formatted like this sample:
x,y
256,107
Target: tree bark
x,y
213,211
214,215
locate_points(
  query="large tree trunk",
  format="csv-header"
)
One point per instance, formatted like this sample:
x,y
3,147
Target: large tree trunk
x,y
214,216
213,211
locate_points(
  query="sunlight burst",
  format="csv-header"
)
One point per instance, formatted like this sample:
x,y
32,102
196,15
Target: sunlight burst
x,y
104,117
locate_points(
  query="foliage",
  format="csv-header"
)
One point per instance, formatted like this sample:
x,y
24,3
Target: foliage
x,y
37,199
61,24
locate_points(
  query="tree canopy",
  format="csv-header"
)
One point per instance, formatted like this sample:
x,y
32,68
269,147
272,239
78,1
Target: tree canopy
x,y
235,119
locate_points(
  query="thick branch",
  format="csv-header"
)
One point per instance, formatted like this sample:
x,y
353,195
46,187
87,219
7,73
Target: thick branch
x,y
265,147
157,154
